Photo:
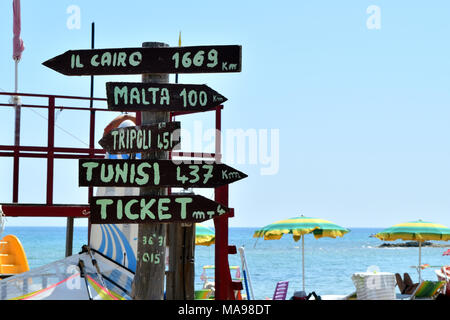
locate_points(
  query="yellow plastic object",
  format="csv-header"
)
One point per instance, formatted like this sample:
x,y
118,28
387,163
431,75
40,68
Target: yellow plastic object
x,y
13,259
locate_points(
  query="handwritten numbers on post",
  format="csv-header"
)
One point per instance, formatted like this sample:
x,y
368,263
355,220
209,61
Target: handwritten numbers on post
x,y
197,60
151,240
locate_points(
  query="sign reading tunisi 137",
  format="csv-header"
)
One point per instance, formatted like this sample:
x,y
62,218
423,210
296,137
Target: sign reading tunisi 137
x,y
196,59
159,173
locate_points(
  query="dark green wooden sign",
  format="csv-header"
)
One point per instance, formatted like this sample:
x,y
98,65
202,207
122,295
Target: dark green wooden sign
x,y
155,173
129,96
154,209
161,136
197,59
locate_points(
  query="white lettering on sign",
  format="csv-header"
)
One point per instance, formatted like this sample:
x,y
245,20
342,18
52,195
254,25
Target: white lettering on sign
x,y
153,209
109,59
140,138
126,173
132,95
230,175
197,60
194,176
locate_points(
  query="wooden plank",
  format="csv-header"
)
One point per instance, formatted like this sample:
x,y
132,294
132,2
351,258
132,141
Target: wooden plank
x,y
180,278
162,136
162,60
131,96
155,173
154,209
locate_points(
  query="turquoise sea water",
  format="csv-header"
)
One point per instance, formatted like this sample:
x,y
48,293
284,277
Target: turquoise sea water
x,y
329,263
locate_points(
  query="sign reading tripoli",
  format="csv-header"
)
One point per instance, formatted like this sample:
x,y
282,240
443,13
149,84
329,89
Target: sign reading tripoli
x,y
154,209
161,136
155,173
128,96
198,59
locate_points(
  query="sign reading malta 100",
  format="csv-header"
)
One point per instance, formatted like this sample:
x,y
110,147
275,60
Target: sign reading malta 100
x,y
128,96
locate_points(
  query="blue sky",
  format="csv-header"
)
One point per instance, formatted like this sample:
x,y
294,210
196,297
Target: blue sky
x,y
363,114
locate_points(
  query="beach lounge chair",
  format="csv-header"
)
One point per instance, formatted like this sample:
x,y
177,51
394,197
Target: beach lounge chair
x,y
426,290
405,285
281,290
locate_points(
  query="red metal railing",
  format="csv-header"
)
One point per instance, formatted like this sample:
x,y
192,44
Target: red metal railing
x,y
49,152
224,285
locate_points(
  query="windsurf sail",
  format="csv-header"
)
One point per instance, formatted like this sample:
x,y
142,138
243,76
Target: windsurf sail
x,y
66,280
103,270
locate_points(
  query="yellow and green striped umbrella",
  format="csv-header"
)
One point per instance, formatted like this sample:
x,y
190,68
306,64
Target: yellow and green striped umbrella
x,y
419,231
415,230
299,226
204,236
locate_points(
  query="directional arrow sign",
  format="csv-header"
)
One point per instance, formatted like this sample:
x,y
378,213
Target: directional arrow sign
x,y
129,96
154,209
198,59
155,173
161,136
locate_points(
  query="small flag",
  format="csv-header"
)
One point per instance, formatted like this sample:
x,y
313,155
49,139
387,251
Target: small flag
x,y
17,41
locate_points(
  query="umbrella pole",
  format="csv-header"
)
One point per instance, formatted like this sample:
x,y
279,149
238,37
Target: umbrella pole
x,y
303,261
420,261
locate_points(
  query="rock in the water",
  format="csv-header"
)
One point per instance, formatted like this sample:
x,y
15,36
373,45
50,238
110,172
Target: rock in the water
x,y
411,244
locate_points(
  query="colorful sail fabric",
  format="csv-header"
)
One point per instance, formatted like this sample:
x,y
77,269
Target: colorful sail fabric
x,y
66,280
17,41
204,236
299,226
415,230
446,253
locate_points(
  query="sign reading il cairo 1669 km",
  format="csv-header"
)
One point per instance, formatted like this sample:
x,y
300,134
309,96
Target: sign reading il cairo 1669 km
x,y
130,96
155,173
154,209
198,59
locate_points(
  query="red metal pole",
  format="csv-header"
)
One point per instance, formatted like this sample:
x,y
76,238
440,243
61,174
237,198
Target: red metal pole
x,y
15,197
222,269
50,144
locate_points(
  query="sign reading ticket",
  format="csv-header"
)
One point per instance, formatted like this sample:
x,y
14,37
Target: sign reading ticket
x,y
154,209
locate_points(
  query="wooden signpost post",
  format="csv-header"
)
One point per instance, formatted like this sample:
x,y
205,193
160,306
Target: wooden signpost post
x,y
154,208
155,173
156,60
129,96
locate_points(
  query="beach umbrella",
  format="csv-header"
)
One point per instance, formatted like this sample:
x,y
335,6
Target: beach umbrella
x,y
446,253
299,226
204,236
419,231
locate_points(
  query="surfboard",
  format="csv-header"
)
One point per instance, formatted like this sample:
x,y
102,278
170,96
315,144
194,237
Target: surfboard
x,y
117,241
13,259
